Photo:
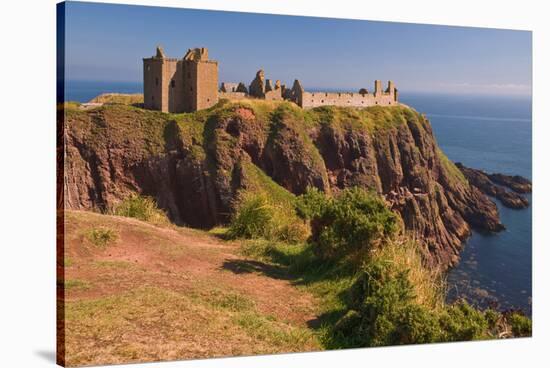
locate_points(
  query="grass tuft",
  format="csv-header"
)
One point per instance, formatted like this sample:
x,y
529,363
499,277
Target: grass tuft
x,y
258,217
101,236
142,208
76,284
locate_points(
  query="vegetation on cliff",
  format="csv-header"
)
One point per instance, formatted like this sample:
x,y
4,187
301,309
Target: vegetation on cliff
x,y
375,288
119,98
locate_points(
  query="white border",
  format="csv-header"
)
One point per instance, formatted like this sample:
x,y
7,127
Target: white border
x,y
27,181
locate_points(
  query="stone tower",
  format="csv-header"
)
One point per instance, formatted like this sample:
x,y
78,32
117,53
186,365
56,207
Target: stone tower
x,y
377,88
184,85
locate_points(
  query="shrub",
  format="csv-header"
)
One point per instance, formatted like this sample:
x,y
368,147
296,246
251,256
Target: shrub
x,y
462,322
253,218
520,324
257,217
311,204
383,309
101,237
142,208
347,224
493,318
396,300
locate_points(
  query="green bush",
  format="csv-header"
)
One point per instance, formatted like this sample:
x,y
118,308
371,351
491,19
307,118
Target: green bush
x,y
520,324
311,204
256,217
383,310
390,303
462,322
142,208
101,236
493,318
346,224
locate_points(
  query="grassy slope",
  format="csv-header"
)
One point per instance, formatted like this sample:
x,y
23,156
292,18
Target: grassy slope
x,y
119,98
140,131
330,283
161,292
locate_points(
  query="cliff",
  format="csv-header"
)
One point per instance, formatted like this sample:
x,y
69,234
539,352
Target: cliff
x,y
195,164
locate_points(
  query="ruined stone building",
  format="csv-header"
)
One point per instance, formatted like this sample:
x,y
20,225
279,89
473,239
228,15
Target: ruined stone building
x,y
180,85
356,99
191,84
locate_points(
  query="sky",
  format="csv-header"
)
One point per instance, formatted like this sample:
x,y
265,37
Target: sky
x,y
107,42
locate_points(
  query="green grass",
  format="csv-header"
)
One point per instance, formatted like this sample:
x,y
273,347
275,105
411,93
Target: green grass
x,y
328,282
368,119
149,322
76,284
142,208
289,117
259,182
101,236
113,264
119,98
227,300
451,169
267,329
142,132
70,105
259,216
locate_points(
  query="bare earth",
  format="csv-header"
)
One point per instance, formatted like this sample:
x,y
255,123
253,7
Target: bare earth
x,y
165,293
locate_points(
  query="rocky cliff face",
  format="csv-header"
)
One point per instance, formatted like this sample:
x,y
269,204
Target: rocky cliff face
x,y
195,164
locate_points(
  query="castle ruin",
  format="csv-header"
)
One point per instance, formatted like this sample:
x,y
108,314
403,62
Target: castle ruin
x,y
191,84
180,85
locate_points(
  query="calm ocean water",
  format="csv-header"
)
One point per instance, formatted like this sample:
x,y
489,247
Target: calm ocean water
x,y
492,133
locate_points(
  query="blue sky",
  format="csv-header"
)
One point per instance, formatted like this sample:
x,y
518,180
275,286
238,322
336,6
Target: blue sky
x,y
106,42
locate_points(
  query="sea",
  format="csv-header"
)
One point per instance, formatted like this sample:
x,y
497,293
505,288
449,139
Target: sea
x,y
492,133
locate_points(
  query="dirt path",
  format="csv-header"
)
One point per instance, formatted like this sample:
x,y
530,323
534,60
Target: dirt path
x,y
178,266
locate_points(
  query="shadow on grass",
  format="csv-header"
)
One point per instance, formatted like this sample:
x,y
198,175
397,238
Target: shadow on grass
x,y
240,266
303,268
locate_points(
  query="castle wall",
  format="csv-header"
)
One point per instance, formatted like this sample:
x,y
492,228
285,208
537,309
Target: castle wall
x,y
152,84
189,86
229,87
315,99
274,95
207,84
170,83
233,95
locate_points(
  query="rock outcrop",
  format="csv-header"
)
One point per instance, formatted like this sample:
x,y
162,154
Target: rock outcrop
x,y
493,185
196,168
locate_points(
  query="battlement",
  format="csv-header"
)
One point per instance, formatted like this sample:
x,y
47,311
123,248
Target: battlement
x,y
191,83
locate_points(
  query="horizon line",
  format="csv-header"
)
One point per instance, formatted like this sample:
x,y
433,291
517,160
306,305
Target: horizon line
x,y
352,89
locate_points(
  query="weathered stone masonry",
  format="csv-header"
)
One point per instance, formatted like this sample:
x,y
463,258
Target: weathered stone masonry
x,y
180,85
191,84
